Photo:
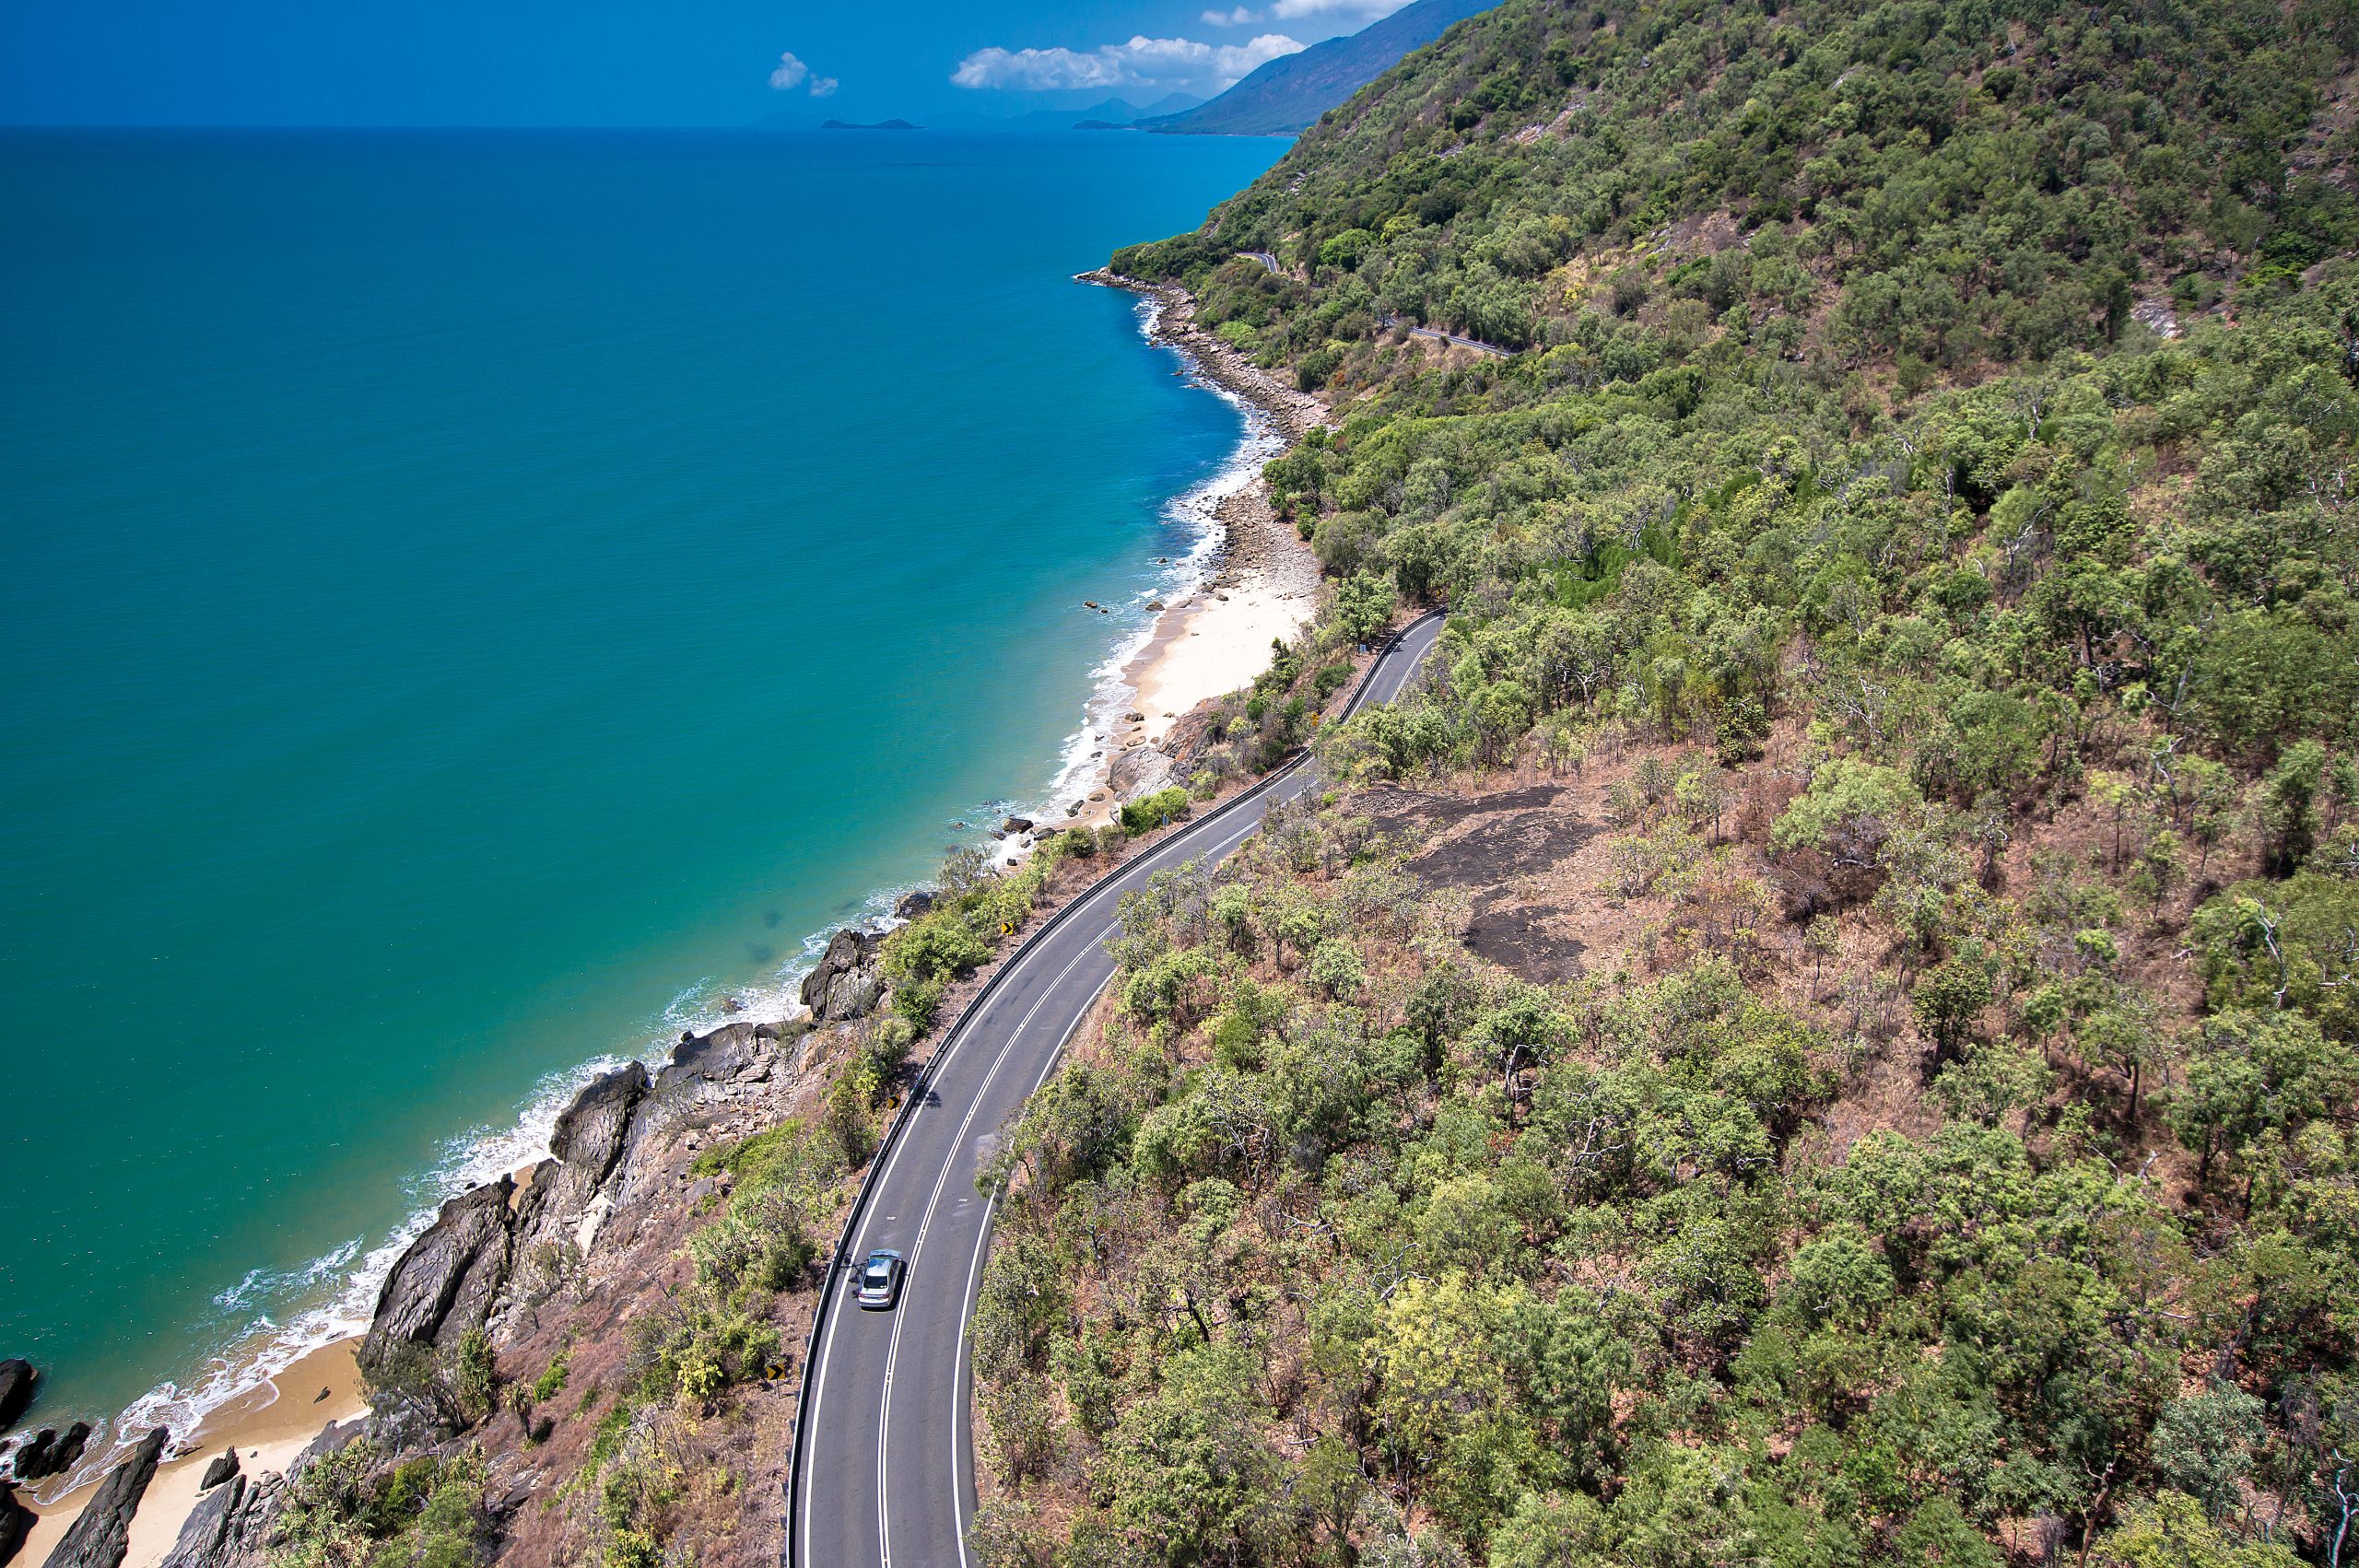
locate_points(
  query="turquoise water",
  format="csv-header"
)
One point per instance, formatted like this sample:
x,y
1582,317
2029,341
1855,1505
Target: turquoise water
x,y
473,601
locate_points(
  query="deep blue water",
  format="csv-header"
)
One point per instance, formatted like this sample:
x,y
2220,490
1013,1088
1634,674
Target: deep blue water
x,y
473,600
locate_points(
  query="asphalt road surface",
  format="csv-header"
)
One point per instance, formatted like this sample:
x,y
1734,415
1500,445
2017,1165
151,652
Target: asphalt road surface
x,y
884,1474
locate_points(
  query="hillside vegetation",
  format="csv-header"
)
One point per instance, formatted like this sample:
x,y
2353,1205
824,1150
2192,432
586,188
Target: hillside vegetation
x,y
1899,704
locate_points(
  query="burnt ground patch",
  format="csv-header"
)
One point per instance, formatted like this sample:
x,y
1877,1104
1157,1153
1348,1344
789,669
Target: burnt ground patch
x,y
1395,810
1486,843
1492,849
1518,937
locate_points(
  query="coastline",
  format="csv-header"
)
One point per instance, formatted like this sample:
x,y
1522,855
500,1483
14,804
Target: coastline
x,y
1257,581
269,1427
1254,581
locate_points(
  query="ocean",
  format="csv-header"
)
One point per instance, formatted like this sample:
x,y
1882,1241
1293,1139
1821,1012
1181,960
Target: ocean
x,y
475,601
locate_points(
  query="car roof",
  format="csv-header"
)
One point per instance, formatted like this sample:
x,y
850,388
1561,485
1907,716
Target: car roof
x,y
883,1256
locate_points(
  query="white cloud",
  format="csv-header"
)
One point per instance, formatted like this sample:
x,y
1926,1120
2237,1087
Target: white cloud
x,y
1236,18
1142,62
792,73
1359,12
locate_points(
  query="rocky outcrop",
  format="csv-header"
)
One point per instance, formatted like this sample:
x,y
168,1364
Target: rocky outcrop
x,y
17,1380
224,1467
1138,771
717,1057
230,1525
563,1204
912,904
46,1453
845,984
68,1451
31,1459
207,1536
16,1524
445,1282
101,1537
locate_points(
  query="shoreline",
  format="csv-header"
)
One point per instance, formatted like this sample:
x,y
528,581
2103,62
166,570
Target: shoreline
x,y
1255,580
1259,581
269,1427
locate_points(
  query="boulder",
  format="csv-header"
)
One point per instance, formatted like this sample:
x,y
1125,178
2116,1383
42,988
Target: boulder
x,y
223,1468
913,904
230,1526
101,1537
17,1380
444,1284
31,1460
68,1451
1017,825
1138,771
710,1058
845,985
15,1523
206,1532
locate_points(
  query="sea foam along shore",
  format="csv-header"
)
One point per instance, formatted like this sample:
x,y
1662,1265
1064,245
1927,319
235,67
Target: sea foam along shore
x,y
1245,580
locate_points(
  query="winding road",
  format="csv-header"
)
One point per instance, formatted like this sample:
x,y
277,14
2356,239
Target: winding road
x,y
883,1472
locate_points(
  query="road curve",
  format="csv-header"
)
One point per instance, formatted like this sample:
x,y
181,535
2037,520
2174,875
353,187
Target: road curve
x,y
883,1472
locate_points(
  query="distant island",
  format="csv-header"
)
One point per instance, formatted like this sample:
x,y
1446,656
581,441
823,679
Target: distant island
x,y
879,125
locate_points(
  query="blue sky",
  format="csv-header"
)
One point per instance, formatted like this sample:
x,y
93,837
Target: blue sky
x,y
623,61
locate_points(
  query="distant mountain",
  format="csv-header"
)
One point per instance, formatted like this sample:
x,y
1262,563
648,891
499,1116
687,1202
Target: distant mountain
x,y
878,126
1290,93
1118,114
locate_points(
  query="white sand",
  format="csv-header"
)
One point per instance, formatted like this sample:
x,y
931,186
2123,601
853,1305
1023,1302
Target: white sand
x,y
1216,643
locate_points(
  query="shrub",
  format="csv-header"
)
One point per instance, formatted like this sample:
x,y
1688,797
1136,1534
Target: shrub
x,y
1151,812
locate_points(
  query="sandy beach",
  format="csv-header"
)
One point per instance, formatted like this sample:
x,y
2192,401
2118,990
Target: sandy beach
x,y
1263,586
268,1427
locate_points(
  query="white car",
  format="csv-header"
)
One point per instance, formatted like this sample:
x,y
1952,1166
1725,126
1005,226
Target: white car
x,y
880,1280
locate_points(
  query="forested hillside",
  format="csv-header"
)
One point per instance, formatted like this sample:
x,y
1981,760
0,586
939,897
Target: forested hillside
x,y
1826,1036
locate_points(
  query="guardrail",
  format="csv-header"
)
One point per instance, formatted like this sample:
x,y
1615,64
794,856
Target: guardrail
x,y
908,1109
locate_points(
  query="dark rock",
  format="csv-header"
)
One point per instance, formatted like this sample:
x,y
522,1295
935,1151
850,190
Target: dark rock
x,y
845,984
48,1454
709,1059
588,1136
1017,825
15,1523
912,904
206,1532
444,1284
542,1427
33,1459
332,1438
17,1380
224,1465
101,1537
